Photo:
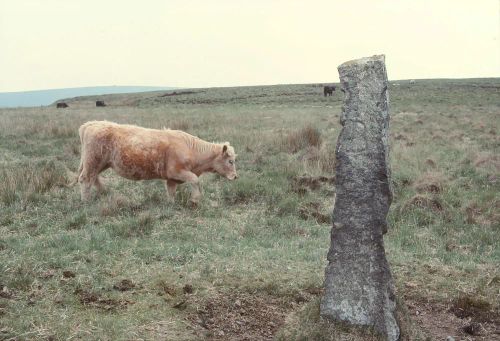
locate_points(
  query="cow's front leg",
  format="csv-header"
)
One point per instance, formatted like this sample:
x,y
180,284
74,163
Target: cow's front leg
x,y
171,186
192,179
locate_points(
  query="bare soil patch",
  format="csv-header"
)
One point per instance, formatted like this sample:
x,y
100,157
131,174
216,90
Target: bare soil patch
x,y
461,320
476,308
239,316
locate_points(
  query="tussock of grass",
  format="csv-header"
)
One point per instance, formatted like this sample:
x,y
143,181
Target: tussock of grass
x,y
307,136
424,201
313,210
431,182
486,213
321,158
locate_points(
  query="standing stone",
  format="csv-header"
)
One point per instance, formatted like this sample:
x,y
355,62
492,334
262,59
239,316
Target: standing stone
x,y
358,284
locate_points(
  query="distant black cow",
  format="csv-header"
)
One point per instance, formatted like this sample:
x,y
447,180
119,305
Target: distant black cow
x,y
61,105
100,104
328,90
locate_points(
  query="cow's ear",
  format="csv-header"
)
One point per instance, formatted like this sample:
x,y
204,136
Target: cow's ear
x,y
224,149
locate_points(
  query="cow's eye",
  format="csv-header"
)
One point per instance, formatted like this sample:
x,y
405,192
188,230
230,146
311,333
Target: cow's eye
x,y
231,162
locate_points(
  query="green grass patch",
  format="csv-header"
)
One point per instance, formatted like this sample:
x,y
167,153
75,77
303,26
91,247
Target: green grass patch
x,y
264,235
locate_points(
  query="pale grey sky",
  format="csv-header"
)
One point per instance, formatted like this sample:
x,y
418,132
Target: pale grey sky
x,y
198,43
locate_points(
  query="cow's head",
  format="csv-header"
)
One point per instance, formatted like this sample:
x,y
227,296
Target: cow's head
x,y
225,162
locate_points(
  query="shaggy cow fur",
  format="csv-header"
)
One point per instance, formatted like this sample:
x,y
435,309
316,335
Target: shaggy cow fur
x,y
138,153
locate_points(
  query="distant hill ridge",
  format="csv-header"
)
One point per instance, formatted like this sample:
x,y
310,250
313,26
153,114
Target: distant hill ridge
x,y
47,97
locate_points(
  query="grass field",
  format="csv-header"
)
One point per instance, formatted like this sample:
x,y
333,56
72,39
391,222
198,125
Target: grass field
x,y
248,262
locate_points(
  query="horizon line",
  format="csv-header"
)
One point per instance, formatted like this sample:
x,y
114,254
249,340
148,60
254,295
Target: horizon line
x,y
229,86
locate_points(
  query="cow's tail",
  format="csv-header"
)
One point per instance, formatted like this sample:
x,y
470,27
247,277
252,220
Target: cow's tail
x,y
76,175
81,133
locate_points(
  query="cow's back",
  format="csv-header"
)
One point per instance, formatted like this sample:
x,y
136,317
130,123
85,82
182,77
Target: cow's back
x,y
133,152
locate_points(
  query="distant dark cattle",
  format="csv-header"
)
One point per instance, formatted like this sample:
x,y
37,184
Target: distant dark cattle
x,y
328,90
61,105
100,104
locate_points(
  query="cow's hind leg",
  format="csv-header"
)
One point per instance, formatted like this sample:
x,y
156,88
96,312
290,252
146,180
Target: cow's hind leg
x,y
83,178
98,181
92,166
86,180
85,185
98,185
171,186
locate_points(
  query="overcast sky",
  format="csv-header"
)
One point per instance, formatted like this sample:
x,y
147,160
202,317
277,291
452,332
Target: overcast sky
x,y
189,43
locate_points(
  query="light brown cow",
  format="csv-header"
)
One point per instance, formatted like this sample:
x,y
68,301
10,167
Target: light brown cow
x,y
138,153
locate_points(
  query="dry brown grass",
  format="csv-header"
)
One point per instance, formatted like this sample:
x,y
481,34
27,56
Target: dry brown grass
x,y
34,178
307,136
180,124
322,158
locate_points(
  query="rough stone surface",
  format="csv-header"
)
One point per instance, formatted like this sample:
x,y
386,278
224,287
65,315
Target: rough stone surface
x,y
358,282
